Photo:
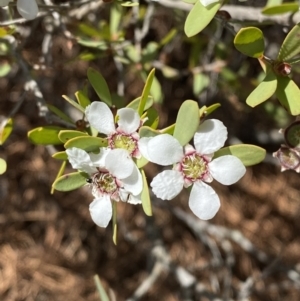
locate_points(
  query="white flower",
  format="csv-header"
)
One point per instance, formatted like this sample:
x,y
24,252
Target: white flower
x,y
125,135
113,176
28,9
193,166
208,2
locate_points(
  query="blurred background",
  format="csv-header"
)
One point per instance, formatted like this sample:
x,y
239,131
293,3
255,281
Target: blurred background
x,y
49,247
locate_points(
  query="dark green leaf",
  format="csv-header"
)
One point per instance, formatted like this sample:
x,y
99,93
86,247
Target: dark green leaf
x,y
290,46
100,86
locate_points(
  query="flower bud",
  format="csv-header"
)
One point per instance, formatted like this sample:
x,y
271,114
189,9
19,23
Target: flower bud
x,y
289,158
292,135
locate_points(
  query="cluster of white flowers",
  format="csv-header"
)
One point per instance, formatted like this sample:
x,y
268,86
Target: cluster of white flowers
x,y
114,175
28,9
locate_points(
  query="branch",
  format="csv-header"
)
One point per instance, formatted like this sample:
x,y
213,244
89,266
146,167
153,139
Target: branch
x,y
240,14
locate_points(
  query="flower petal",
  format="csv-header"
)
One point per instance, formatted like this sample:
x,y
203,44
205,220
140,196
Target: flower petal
x,y
210,136
208,2
119,163
227,169
134,183
203,201
167,184
129,120
80,160
100,117
143,146
164,150
28,9
101,211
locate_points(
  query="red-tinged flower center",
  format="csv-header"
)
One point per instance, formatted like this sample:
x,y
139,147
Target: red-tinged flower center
x,y
121,140
194,167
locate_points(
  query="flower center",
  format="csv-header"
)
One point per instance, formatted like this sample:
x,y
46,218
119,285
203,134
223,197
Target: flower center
x,y
124,141
104,182
194,167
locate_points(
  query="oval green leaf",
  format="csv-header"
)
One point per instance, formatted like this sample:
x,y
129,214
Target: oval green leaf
x,y
247,153
250,41
3,166
290,46
88,143
100,86
145,196
60,156
264,90
45,135
66,135
288,95
280,9
187,122
199,17
6,131
70,181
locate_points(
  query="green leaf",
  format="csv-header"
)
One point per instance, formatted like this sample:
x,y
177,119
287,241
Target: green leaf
x,y
6,130
250,41
146,92
59,174
66,135
152,118
3,166
4,68
156,91
70,181
141,162
209,110
115,19
273,2
73,103
290,46
187,122
199,17
82,99
102,293
145,196
45,135
135,103
115,222
100,86
88,143
280,9
247,153
190,1
264,90
200,82
60,156
101,45
288,95
146,131
59,113
129,4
